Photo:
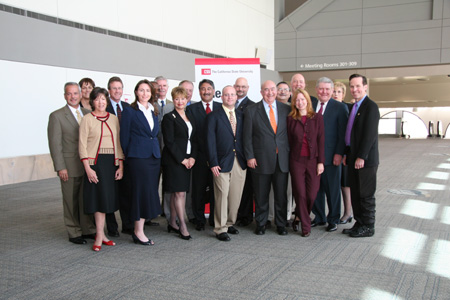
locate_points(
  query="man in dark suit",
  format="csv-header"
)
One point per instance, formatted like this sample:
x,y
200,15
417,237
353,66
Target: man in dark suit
x,y
227,162
245,213
362,158
335,115
202,183
63,130
116,107
267,152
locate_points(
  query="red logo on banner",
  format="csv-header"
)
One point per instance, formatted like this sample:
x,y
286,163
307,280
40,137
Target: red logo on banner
x,y
206,71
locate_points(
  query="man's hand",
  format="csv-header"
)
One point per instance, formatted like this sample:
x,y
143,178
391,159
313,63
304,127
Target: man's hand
x,y
251,163
359,163
216,171
337,159
63,174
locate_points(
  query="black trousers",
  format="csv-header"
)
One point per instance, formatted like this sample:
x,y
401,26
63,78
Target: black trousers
x,y
124,205
261,186
246,207
202,191
363,185
330,188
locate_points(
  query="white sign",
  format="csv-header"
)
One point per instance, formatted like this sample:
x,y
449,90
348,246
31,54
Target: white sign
x,y
225,71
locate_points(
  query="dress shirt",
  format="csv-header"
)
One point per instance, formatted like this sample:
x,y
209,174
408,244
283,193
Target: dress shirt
x,y
147,113
274,107
189,126
74,111
210,104
227,112
115,104
351,119
238,102
160,102
319,105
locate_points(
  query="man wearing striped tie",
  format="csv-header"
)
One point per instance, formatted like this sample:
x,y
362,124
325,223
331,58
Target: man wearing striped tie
x,y
226,159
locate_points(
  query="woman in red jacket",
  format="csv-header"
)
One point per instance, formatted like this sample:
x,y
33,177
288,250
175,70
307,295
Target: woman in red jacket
x,y
306,142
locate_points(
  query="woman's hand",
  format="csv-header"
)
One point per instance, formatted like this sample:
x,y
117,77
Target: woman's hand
x,y
91,175
119,173
319,168
191,162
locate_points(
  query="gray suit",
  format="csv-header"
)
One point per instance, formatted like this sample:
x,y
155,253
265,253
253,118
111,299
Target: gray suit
x,y
261,143
63,132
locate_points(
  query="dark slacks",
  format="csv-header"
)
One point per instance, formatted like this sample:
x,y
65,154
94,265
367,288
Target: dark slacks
x,y
202,191
330,186
124,199
246,206
261,186
305,184
363,184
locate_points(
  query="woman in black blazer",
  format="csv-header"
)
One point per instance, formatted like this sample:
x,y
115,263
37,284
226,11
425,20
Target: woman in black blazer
x,y
306,157
178,158
139,137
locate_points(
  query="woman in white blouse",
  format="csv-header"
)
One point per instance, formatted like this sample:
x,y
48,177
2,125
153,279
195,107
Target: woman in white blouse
x,y
139,138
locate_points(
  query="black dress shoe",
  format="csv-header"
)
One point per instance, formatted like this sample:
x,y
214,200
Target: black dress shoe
x,y
224,237
151,223
127,231
114,233
350,230
243,222
193,221
78,240
281,230
363,231
232,230
314,223
296,225
200,227
89,236
331,227
260,230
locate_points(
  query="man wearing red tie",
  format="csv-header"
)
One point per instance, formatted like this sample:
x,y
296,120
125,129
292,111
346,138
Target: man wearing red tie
x,y
227,162
202,183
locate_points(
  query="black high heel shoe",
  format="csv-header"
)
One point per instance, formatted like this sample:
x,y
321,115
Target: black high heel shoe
x,y
185,237
136,240
296,225
348,220
170,228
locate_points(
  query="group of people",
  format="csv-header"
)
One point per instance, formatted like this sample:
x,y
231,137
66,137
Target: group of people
x,y
111,155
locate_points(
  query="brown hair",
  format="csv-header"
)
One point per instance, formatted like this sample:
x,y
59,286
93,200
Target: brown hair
x,y
295,113
94,94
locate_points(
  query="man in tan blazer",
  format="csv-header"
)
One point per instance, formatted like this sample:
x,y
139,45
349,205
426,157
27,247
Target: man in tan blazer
x,y
63,127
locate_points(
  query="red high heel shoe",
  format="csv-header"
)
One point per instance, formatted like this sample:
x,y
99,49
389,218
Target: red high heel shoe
x,y
96,248
108,243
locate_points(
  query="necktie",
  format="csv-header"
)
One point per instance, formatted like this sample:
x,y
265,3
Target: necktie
x,y
208,109
273,121
162,103
321,108
78,117
233,123
119,112
351,119
237,104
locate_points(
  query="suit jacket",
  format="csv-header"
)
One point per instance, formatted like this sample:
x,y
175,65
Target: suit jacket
x,y
168,107
244,104
364,136
175,133
314,134
110,108
199,114
136,137
63,135
222,145
261,142
335,123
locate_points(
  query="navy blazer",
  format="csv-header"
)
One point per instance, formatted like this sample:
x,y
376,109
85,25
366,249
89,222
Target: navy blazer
x,y
110,109
222,145
137,140
175,134
335,123
364,136
315,136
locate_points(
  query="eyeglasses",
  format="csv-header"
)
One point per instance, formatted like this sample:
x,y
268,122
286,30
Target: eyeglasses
x,y
283,90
